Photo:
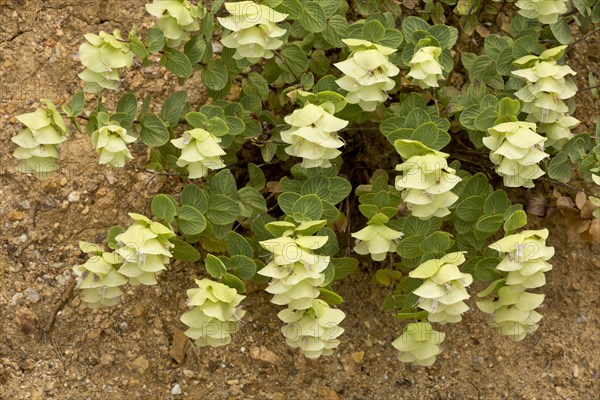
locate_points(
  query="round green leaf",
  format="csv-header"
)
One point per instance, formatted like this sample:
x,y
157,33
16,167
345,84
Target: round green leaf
x,y
164,207
215,75
489,223
222,209
184,251
190,220
154,132
214,266
373,31
470,209
309,207
313,17
196,197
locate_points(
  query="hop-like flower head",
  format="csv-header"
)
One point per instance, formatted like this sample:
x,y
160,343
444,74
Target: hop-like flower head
x,y
99,278
145,249
443,291
425,67
200,152
419,344
367,73
104,57
545,11
526,258
254,33
426,181
176,19
543,95
296,272
516,149
215,313
39,142
313,135
111,142
514,311
314,330
525,261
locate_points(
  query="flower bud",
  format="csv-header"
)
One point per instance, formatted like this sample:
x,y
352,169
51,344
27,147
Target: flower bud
x,y
425,67
111,142
39,142
176,19
200,152
99,278
104,57
313,135
315,330
426,181
419,344
145,249
215,313
516,149
545,11
443,291
254,33
367,73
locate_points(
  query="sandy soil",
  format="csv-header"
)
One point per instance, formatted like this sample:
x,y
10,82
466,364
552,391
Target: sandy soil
x,y
123,352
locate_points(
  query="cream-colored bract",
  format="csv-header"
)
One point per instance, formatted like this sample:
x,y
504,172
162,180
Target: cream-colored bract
x,y
99,278
377,240
419,344
215,313
200,152
443,292
296,274
525,261
111,142
40,141
176,19
516,150
545,11
145,249
426,180
425,67
313,135
103,57
367,73
254,33
547,86
314,330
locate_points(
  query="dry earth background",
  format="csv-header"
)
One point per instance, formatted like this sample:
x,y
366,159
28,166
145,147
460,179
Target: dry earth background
x,y
123,352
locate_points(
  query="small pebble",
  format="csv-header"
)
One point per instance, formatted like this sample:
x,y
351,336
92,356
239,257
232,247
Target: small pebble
x,y
23,238
74,197
16,215
32,295
580,319
17,299
25,205
176,389
358,357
